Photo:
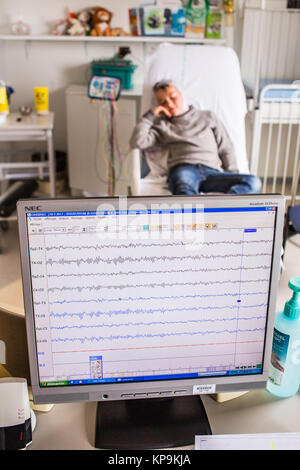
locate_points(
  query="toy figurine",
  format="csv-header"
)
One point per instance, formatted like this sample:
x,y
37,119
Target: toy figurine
x,y
101,22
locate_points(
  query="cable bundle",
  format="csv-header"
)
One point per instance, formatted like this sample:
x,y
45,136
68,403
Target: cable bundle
x,y
113,156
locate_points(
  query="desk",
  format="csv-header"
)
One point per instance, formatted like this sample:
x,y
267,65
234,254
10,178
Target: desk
x,y
71,426
29,128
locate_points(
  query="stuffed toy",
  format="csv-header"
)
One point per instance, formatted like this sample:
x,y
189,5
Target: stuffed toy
x,y
75,28
76,24
101,22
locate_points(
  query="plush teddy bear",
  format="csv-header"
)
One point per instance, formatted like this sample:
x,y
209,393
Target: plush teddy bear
x,y
101,22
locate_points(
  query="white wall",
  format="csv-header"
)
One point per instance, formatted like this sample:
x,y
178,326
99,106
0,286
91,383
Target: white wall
x,y
24,65
56,65
42,14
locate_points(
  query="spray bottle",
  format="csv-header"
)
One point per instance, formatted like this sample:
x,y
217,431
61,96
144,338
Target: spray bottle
x,y
284,375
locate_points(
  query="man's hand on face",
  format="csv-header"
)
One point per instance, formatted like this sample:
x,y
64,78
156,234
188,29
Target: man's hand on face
x,y
170,102
161,111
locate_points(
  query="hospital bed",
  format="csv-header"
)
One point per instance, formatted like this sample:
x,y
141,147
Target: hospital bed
x,y
270,69
279,112
210,79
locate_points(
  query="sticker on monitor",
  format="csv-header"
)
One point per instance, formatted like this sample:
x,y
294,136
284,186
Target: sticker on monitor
x,y
104,88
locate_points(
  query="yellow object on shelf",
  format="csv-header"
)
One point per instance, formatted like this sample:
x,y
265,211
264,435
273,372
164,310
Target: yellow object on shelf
x,y
229,6
41,100
229,13
4,108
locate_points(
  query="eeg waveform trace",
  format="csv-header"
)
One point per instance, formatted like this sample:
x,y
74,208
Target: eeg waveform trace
x,y
110,309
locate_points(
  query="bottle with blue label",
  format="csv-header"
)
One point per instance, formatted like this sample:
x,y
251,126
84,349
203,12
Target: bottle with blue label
x,y
284,375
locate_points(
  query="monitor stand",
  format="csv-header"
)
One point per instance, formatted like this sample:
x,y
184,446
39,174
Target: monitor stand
x,y
150,423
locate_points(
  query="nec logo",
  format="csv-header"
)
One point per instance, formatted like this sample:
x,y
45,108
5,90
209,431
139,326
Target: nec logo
x,y
33,208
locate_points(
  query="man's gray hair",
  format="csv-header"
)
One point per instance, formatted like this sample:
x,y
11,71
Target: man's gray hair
x,y
162,84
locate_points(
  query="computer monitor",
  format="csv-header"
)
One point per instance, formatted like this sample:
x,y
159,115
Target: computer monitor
x,y
145,304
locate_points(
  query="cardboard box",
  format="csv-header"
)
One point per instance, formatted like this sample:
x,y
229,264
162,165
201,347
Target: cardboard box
x,y
214,25
134,21
156,21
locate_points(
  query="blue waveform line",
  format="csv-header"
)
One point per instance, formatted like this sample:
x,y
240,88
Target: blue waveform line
x,y
153,285
133,299
150,335
151,311
153,259
164,323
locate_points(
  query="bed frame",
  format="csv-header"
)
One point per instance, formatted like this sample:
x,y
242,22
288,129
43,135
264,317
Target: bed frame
x,y
271,73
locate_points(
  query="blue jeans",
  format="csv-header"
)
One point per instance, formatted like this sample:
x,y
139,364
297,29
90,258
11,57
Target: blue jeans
x,y
193,179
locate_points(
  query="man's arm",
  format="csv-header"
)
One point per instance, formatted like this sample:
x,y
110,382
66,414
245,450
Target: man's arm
x,y
144,134
225,146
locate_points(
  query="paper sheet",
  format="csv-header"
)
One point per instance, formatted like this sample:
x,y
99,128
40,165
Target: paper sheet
x,y
274,441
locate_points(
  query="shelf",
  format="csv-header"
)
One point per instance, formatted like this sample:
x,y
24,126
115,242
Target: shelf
x,y
137,90
131,39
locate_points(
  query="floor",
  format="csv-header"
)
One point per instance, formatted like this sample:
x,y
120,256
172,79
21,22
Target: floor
x,y
11,294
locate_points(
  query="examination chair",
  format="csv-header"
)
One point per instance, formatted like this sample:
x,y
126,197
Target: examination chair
x,y
210,78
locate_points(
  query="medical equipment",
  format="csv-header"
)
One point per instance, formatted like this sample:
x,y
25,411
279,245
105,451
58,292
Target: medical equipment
x,y
107,89
116,67
144,304
104,88
17,421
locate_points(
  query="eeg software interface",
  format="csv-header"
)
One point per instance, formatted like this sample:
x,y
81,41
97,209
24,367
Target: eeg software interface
x,y
150,294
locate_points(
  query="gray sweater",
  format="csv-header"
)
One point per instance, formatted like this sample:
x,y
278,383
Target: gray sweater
x,y
192,137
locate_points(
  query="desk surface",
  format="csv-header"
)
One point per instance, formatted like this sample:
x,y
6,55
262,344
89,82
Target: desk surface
x,y
31,122
71,426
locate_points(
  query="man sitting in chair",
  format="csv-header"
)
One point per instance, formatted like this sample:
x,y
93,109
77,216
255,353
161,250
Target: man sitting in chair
x,y
201,156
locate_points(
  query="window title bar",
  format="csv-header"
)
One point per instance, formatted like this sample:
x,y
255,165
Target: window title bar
x,y
148,211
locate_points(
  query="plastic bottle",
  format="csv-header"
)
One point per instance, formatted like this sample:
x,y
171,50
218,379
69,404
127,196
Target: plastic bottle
x,y
196,12
284,375
4,107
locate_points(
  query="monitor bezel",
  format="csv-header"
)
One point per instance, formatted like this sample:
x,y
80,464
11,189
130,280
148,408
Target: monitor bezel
x,y
146,389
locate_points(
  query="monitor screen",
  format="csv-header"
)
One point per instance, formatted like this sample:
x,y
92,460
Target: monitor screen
x,y
130,298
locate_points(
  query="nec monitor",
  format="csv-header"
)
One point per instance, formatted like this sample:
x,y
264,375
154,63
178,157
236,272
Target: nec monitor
x,y
144,304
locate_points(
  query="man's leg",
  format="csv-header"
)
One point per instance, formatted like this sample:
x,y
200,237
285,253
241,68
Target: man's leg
x,y
230,183
184,179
